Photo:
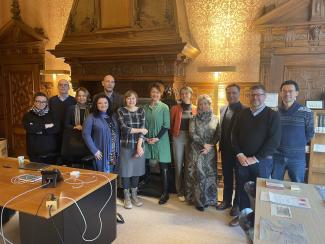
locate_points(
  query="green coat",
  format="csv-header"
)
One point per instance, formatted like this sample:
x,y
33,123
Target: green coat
x,y
157,117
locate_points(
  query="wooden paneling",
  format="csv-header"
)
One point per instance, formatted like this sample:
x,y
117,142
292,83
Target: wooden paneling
x,y
21,59
115,14
293,47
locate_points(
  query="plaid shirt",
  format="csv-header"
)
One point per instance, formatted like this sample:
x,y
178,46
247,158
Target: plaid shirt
x,y
129,120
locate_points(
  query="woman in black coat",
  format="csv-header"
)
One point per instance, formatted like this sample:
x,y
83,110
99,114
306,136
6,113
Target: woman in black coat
x,y
41,131
73,145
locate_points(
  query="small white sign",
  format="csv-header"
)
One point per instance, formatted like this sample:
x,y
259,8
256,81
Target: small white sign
x,y
272,100
314,104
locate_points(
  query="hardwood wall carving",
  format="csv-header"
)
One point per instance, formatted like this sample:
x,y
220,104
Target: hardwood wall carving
x,y
293,47
143,43
21,59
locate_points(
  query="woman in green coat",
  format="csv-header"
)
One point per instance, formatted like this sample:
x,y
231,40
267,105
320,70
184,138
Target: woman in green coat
x,y
157,141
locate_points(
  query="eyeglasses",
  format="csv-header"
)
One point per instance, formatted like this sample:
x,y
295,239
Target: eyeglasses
x,y
40,102
257,95
63,85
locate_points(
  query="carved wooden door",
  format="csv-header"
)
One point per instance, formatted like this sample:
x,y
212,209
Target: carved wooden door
x,y
19,83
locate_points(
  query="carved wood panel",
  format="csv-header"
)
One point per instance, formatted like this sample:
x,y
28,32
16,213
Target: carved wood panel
x,y
21,81
311,81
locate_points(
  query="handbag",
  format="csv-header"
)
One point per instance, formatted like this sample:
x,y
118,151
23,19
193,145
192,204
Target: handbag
x,y
73,144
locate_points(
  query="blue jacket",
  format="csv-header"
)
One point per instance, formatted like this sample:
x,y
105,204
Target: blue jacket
x,y
98,136
297,126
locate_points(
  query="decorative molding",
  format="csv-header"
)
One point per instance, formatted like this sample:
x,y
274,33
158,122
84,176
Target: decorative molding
x,y
317,10
293,49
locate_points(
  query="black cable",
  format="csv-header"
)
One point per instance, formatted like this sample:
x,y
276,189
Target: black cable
x,y
57,231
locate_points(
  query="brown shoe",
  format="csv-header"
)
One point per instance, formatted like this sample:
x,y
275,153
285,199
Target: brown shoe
x,y
223,206
234,222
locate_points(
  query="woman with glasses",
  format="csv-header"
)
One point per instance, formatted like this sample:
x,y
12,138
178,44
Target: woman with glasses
x,y
41,131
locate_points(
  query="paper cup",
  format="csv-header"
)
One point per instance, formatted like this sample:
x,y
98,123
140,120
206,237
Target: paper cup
x,y
21,161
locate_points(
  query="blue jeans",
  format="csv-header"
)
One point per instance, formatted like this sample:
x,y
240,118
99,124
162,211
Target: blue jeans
x,y
263,169
296,168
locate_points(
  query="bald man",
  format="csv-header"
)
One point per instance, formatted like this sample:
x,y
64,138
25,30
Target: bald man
x,y
116,99
60,103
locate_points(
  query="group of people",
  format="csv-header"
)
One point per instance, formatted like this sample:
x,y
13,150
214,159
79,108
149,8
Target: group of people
x,y
126,138
260,142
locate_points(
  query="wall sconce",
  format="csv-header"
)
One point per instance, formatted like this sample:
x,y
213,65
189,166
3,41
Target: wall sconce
x,y
54,72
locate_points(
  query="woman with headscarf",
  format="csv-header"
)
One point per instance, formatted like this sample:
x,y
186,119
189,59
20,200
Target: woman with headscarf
x,y
201,178
41,131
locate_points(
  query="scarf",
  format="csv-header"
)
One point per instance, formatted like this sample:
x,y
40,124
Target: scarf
x,y
204,116
40,112
77,113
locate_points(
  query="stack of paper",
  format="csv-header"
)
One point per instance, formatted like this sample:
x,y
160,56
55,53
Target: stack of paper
x,y
300,202
274,185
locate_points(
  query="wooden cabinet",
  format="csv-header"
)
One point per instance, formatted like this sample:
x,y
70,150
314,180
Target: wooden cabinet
x,y
316,174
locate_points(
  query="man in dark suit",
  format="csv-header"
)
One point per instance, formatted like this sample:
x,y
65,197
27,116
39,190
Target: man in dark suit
x,y
229,170
115,98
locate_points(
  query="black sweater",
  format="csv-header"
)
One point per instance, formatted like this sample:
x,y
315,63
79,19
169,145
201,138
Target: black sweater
x,y
59,108
258,135
40,141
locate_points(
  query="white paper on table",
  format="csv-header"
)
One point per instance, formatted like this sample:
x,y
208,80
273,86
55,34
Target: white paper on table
x,y
319,148
280,211
264,196
300,202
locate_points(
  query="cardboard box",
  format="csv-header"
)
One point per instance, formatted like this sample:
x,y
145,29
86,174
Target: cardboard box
x,y
3,147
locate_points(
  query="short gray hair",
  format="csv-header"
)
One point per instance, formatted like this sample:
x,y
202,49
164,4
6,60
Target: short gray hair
x,y
204,97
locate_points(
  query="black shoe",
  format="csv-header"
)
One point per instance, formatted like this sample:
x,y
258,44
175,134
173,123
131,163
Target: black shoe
x,y
163,199
200,208
223,206
234,222
234,211
165,180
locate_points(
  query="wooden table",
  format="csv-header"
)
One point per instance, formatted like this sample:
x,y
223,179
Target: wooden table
x,y
36,226
313,219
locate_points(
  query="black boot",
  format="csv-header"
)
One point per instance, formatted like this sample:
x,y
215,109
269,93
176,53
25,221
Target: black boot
x,y
164,177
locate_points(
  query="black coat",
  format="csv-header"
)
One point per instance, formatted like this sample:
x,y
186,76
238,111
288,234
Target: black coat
x,y
40,141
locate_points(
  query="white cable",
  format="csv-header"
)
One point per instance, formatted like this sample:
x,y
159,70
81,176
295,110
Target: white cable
x,y
99,213
12,199
78,183
19,180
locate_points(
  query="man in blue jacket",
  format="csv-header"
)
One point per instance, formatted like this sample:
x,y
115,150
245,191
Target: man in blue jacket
x,y
297,126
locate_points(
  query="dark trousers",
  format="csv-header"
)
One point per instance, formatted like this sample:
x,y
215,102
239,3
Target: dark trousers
x,y
229,172
263,169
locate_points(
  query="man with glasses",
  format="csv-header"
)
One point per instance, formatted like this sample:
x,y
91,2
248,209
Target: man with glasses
x,y
59,104
297,125
255,137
